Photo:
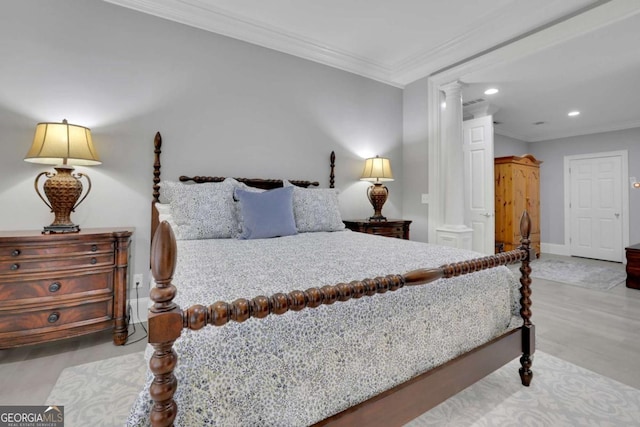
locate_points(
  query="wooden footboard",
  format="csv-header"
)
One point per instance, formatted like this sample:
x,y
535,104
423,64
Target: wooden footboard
x,y
394,407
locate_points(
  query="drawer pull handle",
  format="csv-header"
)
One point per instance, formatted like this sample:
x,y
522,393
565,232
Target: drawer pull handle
x,y
93,260
15,266
55,287
53,317
94,248
15,252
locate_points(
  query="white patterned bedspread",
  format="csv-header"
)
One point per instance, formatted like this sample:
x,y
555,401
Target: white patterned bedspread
x,y
301,367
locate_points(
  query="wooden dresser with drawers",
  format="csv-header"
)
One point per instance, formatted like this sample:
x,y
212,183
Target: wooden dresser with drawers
x,y
55,286
398,228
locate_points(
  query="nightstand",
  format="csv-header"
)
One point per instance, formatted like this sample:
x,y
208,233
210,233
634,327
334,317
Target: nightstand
x,y
633,266
55,286
398,228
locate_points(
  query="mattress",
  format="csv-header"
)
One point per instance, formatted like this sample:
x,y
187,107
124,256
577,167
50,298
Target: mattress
x,y
301,367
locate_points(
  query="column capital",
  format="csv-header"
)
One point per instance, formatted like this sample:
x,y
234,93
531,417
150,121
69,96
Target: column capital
x,y
452,88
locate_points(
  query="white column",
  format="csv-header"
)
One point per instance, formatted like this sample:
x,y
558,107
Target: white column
x,y
454,232
454,156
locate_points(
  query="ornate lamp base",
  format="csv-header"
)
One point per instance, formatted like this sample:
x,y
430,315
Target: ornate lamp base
x,y
377,195
63,189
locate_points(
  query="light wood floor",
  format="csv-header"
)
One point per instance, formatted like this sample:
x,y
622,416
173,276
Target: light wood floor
x,y
599,331
596,330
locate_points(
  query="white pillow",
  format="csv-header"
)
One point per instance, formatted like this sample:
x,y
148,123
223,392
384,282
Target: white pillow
x,y
201,211
164,214
316,209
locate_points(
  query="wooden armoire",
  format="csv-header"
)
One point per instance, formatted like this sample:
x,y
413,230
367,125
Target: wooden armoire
x,y
517,189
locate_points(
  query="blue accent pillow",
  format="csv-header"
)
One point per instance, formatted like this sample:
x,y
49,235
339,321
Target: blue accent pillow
x,y
267,214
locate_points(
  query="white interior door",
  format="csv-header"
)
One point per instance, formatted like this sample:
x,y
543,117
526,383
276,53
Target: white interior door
x,y
479,182
596,208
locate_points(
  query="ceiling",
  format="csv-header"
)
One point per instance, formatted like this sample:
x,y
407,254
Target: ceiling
x,y
597,73
401,41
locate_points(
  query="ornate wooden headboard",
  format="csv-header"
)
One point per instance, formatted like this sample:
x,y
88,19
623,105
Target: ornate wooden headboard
x,y
265,184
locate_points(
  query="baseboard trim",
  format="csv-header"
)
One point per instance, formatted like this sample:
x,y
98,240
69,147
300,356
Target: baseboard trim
x,y
555,249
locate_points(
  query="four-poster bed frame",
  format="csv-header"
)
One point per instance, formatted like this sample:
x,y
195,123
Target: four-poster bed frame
x,y
390,408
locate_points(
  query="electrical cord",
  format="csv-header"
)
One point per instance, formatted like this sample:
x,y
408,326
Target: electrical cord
x,y
133,324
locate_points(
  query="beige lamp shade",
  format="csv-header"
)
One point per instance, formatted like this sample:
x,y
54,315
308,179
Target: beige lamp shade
x,y
62,143
64,146
377,169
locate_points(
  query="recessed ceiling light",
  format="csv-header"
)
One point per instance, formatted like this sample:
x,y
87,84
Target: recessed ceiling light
x,y
491,91
574,113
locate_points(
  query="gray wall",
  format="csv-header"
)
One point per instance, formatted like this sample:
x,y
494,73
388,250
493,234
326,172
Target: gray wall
x,y
414,152
224,107
506,146
552,153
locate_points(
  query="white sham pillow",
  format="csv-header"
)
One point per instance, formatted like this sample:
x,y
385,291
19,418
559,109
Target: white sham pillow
x,y
201,211
164,214
316,209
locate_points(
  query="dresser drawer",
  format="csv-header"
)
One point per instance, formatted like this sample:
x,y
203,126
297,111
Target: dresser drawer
x,y
19,251
31,265
55,317
55,287
387,231
398,228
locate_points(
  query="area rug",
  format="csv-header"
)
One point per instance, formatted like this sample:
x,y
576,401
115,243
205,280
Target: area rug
x,y
578,273
99,393
561,394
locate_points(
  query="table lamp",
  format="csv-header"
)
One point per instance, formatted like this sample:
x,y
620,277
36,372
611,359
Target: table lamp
x,y
63,145
377,170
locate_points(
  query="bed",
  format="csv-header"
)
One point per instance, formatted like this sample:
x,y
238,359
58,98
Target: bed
x,y
373,340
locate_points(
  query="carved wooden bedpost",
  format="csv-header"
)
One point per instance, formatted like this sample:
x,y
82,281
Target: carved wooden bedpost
x,y
157,145
165,326
157,150
332,174
528,329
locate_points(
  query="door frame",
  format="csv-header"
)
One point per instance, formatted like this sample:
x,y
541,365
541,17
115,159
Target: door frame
x,y
624,173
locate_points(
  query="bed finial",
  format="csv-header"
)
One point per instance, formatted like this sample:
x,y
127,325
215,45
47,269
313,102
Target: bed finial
x,y
332,176
157,143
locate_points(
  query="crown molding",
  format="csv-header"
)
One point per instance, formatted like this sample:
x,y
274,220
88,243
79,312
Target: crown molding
x,y
431,60
456,51
510,134
604,13
202,15
552,136
197,14
588,131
